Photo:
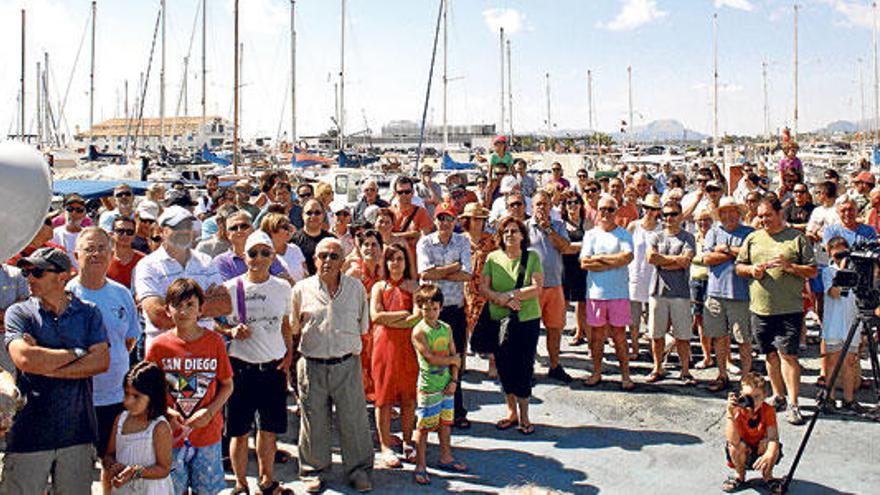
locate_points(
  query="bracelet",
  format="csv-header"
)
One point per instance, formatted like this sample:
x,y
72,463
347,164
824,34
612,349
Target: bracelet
x,y
138,473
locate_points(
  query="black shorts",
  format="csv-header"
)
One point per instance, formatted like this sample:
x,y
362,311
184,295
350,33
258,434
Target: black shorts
x,y
106,415
778,332
259,395
751,456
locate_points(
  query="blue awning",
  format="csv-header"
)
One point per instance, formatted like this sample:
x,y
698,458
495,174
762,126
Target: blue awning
x,y
93,189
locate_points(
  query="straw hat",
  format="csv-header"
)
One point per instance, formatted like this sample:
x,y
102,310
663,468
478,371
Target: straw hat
x,y
474,210
651,201
730,202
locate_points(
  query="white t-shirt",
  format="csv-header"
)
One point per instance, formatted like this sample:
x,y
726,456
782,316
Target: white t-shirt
x,y
292,260
67,239
822,217
266,306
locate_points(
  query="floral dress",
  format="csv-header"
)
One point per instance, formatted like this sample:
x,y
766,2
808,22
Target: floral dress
x,y
473,301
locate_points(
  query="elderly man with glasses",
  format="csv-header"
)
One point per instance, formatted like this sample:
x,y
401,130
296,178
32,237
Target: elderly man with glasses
x,y
370,197
329,314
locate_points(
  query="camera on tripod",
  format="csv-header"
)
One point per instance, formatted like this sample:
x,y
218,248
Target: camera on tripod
x,y
858,277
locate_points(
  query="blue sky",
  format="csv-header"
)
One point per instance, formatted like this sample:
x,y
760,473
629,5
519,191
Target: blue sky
x,y
667,42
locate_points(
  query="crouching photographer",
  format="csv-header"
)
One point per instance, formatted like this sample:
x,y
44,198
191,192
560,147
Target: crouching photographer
x,y
752,436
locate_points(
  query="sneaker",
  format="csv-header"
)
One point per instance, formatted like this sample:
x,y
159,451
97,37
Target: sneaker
x,y
793,415
360,481
558,373
828,407
778,402
853,408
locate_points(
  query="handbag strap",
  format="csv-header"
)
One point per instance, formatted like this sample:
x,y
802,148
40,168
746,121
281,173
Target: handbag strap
x,y
239,299
520,279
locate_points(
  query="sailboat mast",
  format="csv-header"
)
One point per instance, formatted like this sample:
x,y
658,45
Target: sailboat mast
x,y
629,86
590,99
341,120
235,97
509,91
766,100
794,126
293,75
92,71
860,127
876,78
21,100
549,122
162,83
204,69
445,73
503,95
715,84
39,120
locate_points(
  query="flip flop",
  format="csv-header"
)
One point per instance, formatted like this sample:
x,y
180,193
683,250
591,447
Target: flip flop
x,y
453,466
704,365
282,457
688,380
274,488
421,477
505,424
719,384
593,380
655,377
732,484
627,385
527,429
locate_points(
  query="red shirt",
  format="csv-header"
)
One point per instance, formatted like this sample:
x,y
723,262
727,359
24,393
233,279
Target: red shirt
x,y
27,252
766,417
122,272
193,370
626,214
421,220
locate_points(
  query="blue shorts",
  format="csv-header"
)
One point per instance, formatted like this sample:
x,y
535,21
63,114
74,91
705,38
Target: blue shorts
x,y
816,285
698,295
198,468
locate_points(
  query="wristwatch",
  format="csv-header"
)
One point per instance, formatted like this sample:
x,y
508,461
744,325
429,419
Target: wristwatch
x,y
79,352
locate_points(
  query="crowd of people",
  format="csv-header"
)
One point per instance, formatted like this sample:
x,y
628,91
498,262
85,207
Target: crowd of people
x,y
173,326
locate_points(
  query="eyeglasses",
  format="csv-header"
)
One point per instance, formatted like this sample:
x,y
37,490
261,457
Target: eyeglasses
x,y
147,220
556,169
404,192
607,209
313,213
156,238
75,209
123,194
239,227
800,191
371,189
670,214
265,253
327,256
514,204
123,231
583,176
288,227
36,272
705,220
95,250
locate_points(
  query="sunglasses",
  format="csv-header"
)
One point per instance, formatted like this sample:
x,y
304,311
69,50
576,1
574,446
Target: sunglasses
x,y
404,192
670,214
305,195
156,238
288,227
514,204
147,220
607,209
74,209
265,253
591,190
650,208
343,214
556,169
326,256
36,272
240,227
313,213
124,231
800,191
125,194
446,218
572,202
371,189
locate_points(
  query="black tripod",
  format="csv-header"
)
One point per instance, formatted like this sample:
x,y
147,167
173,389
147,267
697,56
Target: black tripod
x,y
867,322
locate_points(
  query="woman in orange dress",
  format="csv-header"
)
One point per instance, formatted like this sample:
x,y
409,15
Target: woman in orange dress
x,y
395,366
473,223
365,264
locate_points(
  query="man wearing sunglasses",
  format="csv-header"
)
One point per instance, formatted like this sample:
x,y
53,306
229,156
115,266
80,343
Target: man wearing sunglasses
x,y
124,258
231,264
172,260
329,314
58,343
260,351
66,235
124,207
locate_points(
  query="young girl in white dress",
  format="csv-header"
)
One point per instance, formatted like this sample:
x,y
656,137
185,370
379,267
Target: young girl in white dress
x,y
139,452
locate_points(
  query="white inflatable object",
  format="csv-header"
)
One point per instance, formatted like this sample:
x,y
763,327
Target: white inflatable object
x,y
25,195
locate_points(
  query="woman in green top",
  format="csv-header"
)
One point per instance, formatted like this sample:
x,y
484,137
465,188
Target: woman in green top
x,y
699,281
515,357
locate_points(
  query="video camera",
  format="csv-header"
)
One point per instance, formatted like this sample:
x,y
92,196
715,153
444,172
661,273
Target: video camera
x,y
858,277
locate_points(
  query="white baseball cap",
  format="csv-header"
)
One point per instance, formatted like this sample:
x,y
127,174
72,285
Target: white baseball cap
x,y
173,215
256,238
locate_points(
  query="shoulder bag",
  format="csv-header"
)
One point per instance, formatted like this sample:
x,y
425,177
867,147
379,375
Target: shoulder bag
x,y
488,334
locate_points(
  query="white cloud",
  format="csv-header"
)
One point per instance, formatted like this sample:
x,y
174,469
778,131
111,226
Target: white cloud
x,y
735,4
634,13
511,20
854,13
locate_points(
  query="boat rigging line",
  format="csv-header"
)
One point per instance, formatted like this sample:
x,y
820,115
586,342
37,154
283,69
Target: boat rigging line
x,y
428,90
143,97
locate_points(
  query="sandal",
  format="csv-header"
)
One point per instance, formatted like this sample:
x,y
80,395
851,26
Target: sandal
x,y
240,490
389,460
526,429
274,488
702,365
688,380
655,376
719,384
732,484
453,466
820,381
506,423
282,457
461,423
578,341
421,477
409,453
593,380
627,385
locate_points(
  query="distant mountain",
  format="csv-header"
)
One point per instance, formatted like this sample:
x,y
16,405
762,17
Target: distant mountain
x,y
839,127
662,130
